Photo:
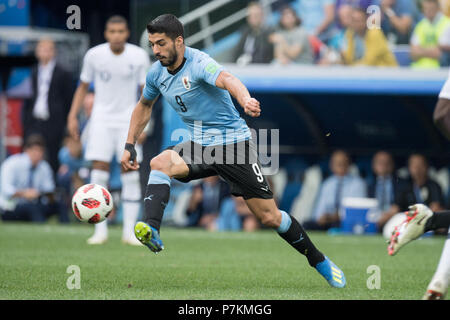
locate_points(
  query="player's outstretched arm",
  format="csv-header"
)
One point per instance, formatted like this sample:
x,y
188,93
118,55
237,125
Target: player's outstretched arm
x,y
139,119
237,89
72,121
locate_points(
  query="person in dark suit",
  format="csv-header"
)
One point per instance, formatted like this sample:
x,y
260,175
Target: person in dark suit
x,y
421,188
386,187
45,112
254,45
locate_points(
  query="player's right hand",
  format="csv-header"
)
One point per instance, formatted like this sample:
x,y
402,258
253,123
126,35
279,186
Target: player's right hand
x,y
252,107
129,164
72,127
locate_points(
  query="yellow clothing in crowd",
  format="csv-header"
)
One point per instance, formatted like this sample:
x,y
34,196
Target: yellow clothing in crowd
x,y
428,34
377,52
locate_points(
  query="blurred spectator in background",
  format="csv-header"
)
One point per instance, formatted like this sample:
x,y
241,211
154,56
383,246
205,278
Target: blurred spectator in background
x,y
88,104
27,185
205,202
73,171
398,18
445,7
72,161
291,43
420,188
386,187
317,17
336,187
254,45
343,21
363,46
431,37
45,112
345,5
235,216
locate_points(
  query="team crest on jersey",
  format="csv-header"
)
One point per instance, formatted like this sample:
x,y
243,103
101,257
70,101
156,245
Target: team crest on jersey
x,y
186,83
105,75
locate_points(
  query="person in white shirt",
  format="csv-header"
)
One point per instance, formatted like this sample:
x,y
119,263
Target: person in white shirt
x,y
27,186
118,69
341,184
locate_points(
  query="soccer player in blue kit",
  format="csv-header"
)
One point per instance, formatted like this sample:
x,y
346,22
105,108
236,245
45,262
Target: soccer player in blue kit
x,y
199,89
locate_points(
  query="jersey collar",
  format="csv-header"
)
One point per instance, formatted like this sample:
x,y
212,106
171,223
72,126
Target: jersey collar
x,y
174,72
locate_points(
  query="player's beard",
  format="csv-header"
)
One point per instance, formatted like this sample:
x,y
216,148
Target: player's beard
x,y
172,57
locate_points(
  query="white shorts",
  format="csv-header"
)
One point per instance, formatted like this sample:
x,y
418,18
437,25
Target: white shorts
x,y
104,142
445,92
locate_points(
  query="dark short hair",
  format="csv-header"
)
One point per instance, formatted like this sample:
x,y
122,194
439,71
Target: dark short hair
x,y
360,9
298,21
344,153
432,1
116,19
254,4
385,152
168,24
418,155
34,140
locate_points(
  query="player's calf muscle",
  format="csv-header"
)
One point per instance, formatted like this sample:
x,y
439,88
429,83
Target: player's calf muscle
x,y
268,219
266,211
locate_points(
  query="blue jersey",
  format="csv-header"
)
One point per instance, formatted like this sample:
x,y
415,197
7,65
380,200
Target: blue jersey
x,y
207,111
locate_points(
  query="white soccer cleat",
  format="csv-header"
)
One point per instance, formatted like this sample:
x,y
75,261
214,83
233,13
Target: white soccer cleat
x,y
410,229
97,239
437,289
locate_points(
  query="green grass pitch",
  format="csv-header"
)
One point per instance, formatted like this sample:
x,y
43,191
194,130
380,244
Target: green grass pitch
x,y
202,265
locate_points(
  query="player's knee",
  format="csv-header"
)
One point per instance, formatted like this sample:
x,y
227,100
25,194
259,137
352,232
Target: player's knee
x,y
157,163
161,162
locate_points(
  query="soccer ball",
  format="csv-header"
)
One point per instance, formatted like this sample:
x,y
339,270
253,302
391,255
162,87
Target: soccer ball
x,y
92,203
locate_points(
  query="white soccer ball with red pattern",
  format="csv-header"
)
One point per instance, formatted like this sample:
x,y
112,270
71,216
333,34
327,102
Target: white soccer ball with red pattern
x,y
92,203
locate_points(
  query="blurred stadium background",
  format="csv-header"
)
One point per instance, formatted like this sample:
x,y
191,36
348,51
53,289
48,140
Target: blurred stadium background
x,y
318,108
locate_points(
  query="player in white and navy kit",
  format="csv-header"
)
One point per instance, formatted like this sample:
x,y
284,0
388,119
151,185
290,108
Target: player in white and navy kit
x,y
442,111
420,218
220,143
118,71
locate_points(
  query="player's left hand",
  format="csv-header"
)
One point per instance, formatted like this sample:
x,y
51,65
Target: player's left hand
x,y
252,107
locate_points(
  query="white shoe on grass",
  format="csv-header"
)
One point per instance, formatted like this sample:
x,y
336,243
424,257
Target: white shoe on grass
x,y
437,289
410,229
131,241
97,239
